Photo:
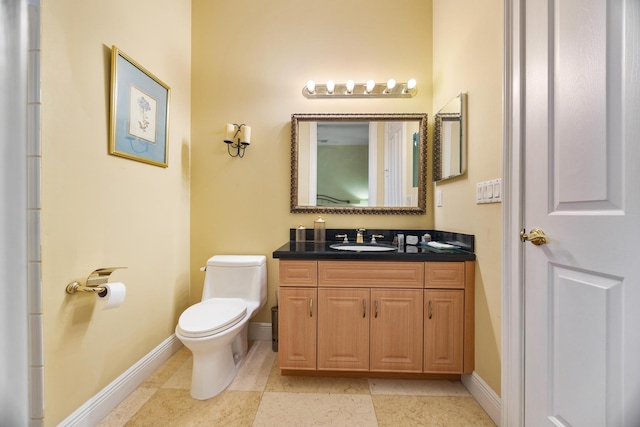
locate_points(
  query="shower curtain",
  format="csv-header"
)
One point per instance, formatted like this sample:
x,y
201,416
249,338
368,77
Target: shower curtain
x,y
14,314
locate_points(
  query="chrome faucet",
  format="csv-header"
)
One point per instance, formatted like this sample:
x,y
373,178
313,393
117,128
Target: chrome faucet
x,y
360,235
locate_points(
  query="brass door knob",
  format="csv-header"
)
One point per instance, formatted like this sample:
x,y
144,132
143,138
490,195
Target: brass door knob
x,y
535,236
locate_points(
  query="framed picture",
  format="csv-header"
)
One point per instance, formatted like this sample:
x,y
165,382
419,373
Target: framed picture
x,y
139,112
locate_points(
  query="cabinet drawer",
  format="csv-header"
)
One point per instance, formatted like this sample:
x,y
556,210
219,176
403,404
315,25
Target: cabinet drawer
x,y
298,273
444,275
368,274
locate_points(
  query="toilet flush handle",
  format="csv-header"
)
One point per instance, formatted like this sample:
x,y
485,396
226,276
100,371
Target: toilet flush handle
x,y
203,268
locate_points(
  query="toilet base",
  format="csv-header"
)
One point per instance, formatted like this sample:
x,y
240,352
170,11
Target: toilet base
x,y
212,373
215,360
240,344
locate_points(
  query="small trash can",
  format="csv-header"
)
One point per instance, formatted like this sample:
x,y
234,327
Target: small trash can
x,y
274,328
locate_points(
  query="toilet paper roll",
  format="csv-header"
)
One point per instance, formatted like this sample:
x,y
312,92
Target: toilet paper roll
x,y
114,295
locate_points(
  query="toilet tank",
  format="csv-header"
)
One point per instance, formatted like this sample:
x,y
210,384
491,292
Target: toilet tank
x,y
236,276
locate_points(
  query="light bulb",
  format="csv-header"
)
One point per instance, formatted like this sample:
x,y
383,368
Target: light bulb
x,y
350,85
331,85
370,85
411,84
390,85
311,86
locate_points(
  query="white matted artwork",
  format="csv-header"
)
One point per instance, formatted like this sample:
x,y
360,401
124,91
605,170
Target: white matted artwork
x,y
143,110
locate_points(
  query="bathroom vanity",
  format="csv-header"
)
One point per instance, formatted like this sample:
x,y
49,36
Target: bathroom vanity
x,y
409,313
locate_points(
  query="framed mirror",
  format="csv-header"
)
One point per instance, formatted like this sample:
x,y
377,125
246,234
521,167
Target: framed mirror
x,y
359,163
449,149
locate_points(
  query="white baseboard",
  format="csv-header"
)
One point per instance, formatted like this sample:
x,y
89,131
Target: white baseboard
x,y
486,397
100,405
259,331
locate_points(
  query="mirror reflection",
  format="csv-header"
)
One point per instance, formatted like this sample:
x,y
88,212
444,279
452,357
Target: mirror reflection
x,y
358,163
449,149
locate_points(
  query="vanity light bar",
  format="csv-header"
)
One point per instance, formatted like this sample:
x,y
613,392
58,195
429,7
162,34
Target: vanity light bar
x,y
370,89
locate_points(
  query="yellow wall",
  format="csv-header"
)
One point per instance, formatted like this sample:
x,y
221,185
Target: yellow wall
x,y
246,61
100,210
250,62
467,57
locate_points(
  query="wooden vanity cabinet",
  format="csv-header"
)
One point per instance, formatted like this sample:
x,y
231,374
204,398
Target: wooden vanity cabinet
x,y
363,316
449,317
297,315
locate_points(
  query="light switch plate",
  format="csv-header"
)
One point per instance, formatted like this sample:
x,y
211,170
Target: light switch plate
x,y
489,191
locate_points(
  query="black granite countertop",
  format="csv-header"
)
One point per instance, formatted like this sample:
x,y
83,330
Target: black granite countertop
x,y
309,250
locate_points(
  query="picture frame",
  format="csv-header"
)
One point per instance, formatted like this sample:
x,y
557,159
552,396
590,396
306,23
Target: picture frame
x,y
139,128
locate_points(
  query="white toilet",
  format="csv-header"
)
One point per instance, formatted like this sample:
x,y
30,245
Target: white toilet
x,y
215,329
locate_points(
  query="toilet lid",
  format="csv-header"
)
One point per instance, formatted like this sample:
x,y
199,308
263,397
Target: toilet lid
x,y
211,316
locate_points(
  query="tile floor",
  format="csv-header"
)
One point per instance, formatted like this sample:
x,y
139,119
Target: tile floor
x,y
260,396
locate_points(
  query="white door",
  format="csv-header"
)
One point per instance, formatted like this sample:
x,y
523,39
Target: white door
x,y
582,188
393,164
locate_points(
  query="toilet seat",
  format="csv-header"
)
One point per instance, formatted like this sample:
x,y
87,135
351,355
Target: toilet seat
x,y
211,316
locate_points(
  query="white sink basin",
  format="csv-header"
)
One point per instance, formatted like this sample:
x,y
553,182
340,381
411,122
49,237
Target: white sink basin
x,y
355,247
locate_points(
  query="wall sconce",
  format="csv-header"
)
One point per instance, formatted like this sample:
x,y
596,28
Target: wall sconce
x,y
240,131
370,89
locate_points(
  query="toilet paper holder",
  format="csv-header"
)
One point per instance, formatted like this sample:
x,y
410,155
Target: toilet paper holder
x,y
94,281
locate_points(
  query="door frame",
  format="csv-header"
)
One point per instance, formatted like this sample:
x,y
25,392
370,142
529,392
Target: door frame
x,y
512,377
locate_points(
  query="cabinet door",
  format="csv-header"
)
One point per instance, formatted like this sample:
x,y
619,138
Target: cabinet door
x,y
297,322
443,331
396,330
343,329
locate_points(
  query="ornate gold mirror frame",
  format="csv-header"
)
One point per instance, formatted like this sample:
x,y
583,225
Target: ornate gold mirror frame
x,y
414,159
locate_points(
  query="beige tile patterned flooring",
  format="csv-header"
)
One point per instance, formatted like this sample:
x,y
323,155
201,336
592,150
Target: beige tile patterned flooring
x,y
260,396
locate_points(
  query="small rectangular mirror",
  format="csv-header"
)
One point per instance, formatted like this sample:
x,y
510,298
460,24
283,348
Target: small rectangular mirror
x,y
450,150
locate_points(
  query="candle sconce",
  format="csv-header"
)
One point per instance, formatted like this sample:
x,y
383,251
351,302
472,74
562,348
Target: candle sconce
x,y
242,133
